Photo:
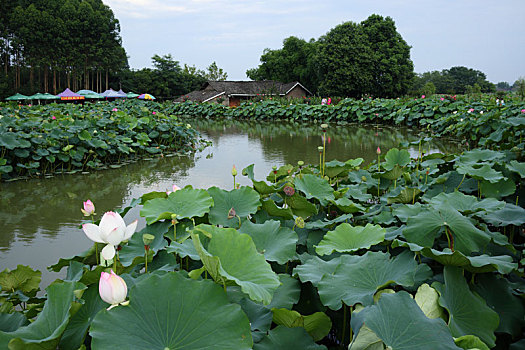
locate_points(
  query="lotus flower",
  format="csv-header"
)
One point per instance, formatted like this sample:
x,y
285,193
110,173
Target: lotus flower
x,y
234,171
112,231
423,96
114,110
112,288
523,111
471,110
175,189
378,151
89,208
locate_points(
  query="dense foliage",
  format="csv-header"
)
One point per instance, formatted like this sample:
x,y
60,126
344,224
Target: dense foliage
x,y
58,138
352,59
480,122
48,45
456,80
423,252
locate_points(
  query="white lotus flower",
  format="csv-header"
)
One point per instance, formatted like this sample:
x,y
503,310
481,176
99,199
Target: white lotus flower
x,y
112,231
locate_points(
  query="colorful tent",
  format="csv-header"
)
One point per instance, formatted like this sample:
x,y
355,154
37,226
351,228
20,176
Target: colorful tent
x,y
122,93
110,93
89,94
68,95
146,97
41,96
17,97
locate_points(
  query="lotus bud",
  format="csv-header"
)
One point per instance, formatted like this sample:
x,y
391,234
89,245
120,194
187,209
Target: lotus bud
x,y
112,288
234,171
299,222
89,208
378,151
174,220
147,239
232,213
363,178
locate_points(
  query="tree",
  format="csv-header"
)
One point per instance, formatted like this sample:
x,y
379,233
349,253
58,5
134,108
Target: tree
x,y
519,87
296,61
503,85
367,58
214,73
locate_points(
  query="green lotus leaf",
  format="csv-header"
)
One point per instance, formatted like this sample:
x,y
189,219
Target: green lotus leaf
x,y
315,268
276,243
11,322
357,192
358,282
301,206
328,223
244,202
23,278
173,312
315,187
46,330
510,215
405,196
184,249
260,316
287,294
399,322
393,173
347,238
184,203
348,206
282,172
282,337
318,325
500,189
465,203
354,162
428,225
468,314
366,340
273,210
497,292
517,167
470,342
403,212
232,258
336,168
480,155
9,140
427,298
394,157
78,326
135,247
478,264
483,172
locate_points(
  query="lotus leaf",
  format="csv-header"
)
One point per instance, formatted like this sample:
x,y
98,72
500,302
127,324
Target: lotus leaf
x,y
470,342
510,215
427,298
244,202
468,314
318,325
517,167
231,257
282,337
184,203
22,278
395,157
315,187
174,312
347,238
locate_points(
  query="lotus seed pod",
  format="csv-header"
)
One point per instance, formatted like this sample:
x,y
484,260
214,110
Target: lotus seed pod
x,y
147,238
299,222
363,178
324,126
320,148
300,163
232,213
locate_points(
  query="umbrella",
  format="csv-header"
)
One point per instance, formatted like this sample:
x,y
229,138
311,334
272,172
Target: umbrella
x,y
70,95
132,95
89,94
146,97
17,97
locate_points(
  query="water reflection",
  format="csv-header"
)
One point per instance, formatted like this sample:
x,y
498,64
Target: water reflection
x,y
40,217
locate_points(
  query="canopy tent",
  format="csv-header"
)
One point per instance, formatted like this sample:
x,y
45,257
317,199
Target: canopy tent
x,y
132,95
89,94
68,95
110,94
122,93
41,96
17,97
146,97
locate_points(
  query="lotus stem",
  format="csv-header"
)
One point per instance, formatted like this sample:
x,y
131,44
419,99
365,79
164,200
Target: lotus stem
x,y
344,324
450,239
324,153
233,181
457,188
146,261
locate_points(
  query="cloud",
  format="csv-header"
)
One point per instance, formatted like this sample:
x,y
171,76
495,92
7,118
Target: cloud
x,y
145,8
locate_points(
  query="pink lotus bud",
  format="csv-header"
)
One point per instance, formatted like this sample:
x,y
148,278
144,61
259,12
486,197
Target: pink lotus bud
x,y
53,117
422,96
234,171
89,208
442,99
114,110
112,288
378,151
523,111
154,112
175,189
471,110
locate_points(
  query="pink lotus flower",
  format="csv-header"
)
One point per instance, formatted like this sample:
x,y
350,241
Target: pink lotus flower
x,y
53,117
523,111
154,112
471,110
175,188
112,289
89,208
378,151
422,96
112,231
114,110
442,99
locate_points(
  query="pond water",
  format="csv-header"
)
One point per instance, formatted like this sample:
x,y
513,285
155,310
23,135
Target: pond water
x,y
40,218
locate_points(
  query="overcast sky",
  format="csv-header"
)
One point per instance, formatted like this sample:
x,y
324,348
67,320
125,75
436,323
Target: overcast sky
x,y
486,35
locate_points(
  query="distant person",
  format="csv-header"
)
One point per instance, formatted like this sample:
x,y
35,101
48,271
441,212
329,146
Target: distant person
x,y
323,101
329,100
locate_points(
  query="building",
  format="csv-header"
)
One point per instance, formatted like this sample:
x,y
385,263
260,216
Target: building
x,y
231,93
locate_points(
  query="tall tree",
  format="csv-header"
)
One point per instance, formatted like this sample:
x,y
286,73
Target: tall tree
x,y
367,58
214,73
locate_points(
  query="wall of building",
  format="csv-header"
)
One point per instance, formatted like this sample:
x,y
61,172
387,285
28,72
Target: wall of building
x,y
296,92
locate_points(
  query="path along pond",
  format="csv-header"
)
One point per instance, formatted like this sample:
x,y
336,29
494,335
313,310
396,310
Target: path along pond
x,y
40,218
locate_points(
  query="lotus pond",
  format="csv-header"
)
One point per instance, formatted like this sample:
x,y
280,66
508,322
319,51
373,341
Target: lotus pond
x,y
418,248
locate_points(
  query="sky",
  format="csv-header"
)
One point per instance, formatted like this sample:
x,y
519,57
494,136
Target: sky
x,y
485,35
